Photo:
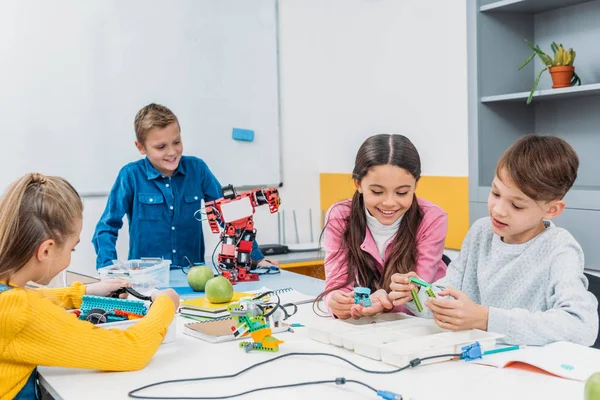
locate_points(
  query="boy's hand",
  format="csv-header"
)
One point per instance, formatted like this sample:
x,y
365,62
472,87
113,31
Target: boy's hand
x,y
266,263
458,314
379,302
105,288
401,287
167,292
340,303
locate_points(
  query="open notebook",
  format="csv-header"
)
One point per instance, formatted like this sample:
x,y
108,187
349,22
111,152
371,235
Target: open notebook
x,y
563,359
220,330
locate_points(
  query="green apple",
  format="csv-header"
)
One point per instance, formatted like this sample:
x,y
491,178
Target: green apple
x,y
219,290
592,387
198,276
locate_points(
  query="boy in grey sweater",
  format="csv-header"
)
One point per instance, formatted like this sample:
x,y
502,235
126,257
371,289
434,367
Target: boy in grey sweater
x,y
517,273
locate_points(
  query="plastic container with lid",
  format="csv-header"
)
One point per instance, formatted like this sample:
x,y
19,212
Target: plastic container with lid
x,y
144,274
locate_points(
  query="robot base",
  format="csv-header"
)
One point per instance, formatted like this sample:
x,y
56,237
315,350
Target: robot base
x,y
240,275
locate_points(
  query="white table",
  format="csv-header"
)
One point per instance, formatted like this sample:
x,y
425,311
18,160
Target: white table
x,y
190,357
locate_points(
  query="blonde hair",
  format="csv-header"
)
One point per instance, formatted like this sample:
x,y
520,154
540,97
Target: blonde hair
x,y
150,117
35,208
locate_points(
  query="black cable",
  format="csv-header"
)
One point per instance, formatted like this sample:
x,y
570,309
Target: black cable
x,y
212,258
275,305
411,364
338,381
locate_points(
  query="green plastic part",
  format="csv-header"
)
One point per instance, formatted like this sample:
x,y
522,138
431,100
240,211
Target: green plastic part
x,y
415,297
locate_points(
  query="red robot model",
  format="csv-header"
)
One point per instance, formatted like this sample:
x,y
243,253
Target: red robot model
x,y
236,211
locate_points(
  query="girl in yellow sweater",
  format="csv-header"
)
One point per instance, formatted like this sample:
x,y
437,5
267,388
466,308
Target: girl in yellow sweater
x,y
40,223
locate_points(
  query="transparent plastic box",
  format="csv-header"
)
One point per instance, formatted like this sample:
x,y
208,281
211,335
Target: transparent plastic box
x,y
144,275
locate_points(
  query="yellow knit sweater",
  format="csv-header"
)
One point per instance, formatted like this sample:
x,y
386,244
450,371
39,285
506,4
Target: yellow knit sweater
x,y
36,330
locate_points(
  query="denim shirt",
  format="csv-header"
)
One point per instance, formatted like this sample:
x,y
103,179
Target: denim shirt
x,y
160,211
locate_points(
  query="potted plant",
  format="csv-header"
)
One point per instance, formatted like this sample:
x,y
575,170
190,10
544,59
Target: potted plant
x,y
561,67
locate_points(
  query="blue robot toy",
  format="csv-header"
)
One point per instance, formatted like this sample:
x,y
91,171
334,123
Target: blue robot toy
x,y
362,295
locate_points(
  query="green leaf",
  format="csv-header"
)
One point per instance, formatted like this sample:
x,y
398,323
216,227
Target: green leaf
x,y
546,59
527,61
535,84
530,44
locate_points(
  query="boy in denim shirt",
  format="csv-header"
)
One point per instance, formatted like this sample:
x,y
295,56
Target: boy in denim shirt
x,y
159,194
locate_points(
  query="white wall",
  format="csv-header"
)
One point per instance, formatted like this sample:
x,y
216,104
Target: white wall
x,y
353,68
350,69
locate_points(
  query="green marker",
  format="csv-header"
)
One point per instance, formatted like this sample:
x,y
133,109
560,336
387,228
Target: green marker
x,y
503,349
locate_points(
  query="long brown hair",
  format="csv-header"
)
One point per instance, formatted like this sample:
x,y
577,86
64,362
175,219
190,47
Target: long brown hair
x,y
384,149
35,208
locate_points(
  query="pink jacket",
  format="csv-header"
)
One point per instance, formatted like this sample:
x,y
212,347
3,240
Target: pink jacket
x,y
430,245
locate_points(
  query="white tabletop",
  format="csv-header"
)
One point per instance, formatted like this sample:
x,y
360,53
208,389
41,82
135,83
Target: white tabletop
x,y
190,357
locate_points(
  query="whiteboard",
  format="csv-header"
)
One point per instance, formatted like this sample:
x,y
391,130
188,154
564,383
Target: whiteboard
x,y
74,73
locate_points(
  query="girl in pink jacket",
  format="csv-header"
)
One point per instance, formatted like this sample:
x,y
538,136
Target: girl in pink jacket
x,y
384,229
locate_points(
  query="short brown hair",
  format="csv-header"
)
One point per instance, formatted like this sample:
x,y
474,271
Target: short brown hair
x,y
542,167
150,117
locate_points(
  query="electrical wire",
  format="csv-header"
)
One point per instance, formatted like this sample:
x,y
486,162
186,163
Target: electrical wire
x,y
338,381
213,257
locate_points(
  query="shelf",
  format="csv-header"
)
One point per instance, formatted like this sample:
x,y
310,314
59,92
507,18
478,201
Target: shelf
x,y
528,6
547,94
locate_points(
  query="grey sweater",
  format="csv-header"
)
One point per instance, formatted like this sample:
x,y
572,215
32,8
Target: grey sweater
x,y
536,291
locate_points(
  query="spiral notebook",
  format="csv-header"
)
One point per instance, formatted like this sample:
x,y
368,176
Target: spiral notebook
x,y
288,295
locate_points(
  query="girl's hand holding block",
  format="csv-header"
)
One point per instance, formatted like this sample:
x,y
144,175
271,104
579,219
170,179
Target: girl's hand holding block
x,y
401,288
106,288
379,302
340,303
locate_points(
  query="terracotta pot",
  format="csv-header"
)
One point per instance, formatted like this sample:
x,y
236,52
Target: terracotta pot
x,y
561,76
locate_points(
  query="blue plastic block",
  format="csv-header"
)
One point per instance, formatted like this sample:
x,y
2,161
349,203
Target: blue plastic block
x,y
246,135
110,304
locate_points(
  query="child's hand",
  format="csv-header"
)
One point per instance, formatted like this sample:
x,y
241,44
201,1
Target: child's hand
x,y
166,292
459,313
267,263
340,303
379,302
105,288
401,287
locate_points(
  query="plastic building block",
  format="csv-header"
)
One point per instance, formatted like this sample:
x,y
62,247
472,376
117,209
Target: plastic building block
x,y
414,293
362,295
430,292
415,297
109,305
251,319
419,282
